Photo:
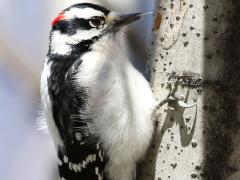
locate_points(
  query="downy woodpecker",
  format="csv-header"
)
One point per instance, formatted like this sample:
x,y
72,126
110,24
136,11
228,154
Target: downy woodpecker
x,y
97,105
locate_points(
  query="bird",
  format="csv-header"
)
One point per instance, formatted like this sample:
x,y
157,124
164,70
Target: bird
x,y
96,104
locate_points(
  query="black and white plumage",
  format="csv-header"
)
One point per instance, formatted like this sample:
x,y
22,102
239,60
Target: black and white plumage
x,y
97,105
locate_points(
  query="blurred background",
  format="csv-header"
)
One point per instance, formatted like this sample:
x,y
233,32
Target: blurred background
x,y
25,152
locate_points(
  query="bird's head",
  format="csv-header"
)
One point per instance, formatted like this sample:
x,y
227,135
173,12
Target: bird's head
x,y
84,24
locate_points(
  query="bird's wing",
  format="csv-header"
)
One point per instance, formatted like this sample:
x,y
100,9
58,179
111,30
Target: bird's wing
x,y
81,156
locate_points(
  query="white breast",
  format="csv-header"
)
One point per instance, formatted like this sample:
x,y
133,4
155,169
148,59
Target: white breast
x,y
121,102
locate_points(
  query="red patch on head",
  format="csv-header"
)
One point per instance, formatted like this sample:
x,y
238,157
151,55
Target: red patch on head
x,y
60,17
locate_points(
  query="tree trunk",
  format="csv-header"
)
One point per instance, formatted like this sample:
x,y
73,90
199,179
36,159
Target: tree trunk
x,y
196,50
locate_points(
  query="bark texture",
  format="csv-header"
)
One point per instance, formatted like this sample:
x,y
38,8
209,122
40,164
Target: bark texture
x,y
195,49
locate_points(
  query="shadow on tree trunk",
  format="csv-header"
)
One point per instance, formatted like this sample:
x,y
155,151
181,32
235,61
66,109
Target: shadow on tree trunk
x,y
221,90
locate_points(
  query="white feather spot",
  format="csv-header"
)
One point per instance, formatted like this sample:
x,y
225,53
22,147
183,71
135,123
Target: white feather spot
x,y
65,159
60,163
78,136
70,166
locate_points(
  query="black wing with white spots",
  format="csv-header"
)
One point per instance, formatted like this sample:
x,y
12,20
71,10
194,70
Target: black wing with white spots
x,y
81,156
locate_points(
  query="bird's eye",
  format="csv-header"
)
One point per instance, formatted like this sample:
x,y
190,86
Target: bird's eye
x,y
96,22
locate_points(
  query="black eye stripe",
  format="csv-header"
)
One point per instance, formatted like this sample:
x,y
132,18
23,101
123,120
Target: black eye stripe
x,y
82,23
71,26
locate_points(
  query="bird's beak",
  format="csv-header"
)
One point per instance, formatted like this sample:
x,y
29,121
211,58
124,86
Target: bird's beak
x,y
118,20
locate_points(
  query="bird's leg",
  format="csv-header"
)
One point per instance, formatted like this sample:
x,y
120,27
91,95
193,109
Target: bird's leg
x,y
170,97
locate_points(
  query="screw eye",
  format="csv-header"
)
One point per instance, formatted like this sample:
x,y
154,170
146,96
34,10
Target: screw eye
x,y
96,22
